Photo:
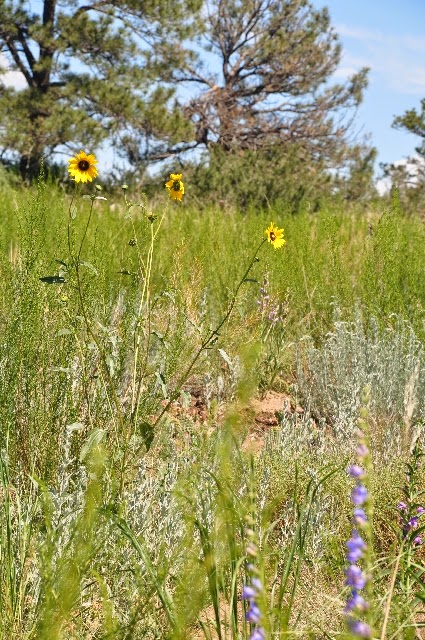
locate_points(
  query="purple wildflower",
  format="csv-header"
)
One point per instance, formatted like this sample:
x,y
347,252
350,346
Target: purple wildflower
x,y
257,584
362,451
420,510
248,593
355,471
417,541
253,615
402,506
413,523
356,603
360,629
355,577
258,634
360,516
251,549
355,547
359,495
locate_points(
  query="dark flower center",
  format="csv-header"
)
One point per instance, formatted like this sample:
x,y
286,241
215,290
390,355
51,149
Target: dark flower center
x,y
272,236
84,165
176,185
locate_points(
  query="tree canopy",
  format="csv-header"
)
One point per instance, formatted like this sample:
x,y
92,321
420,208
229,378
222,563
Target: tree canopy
x,y
89,68
261,74
161,78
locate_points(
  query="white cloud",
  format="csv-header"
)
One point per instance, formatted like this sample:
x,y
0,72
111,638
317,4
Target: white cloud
x,y
415,168
13,79
397,59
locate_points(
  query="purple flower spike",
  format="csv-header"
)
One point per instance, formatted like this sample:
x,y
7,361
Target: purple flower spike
x,y
355,471
355,577
360,517
359,495
417,541
354,555
356,603
248,593
402,506
360,629
413,522
257,584
362,451
253,615
258,634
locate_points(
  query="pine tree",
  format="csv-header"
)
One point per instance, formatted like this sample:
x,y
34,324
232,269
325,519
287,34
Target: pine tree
x,y
91,71
261,75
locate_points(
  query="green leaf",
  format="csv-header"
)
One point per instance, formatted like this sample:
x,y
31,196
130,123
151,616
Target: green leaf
x,y
75,426
95,438
52,279
89,266
64,332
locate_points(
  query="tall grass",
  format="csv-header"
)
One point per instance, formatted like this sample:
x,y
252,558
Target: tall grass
x,y
129,351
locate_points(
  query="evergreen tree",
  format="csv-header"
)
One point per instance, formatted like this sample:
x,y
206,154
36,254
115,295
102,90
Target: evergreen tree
x,y
261,76
91,70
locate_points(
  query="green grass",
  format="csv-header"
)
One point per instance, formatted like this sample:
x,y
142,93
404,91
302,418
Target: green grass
x,y
123,515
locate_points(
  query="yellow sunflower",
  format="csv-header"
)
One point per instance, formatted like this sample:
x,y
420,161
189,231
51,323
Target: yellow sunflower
x,y
275,236
175,186
82,167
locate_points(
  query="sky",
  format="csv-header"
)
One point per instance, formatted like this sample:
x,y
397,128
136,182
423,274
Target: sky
x,y
389,37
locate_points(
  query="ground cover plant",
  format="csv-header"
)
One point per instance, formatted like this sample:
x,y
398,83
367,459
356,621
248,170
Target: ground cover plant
x,y
135,334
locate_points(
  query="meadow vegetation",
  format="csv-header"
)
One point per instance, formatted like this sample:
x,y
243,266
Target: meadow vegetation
x,y
132,502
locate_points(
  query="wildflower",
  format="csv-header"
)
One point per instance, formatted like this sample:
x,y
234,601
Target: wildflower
x,y
248,593
251,549
360,629
175,186
355,546
358,548
359,495
360,517
257,584
420,510
355,471
417,541
275,236
253,615
362,451
355,577
356,603
82,167
402,506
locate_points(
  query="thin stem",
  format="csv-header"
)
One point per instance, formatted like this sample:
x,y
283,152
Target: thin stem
x,y
390,594
207,341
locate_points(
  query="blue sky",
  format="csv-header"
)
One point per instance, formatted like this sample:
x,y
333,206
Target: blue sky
x,y
389,37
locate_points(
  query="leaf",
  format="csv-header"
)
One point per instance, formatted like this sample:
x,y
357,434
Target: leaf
x,y
64,332
89,266
162,382
95,437
62,263
226,358
73,212
251,280
75,426
52,279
